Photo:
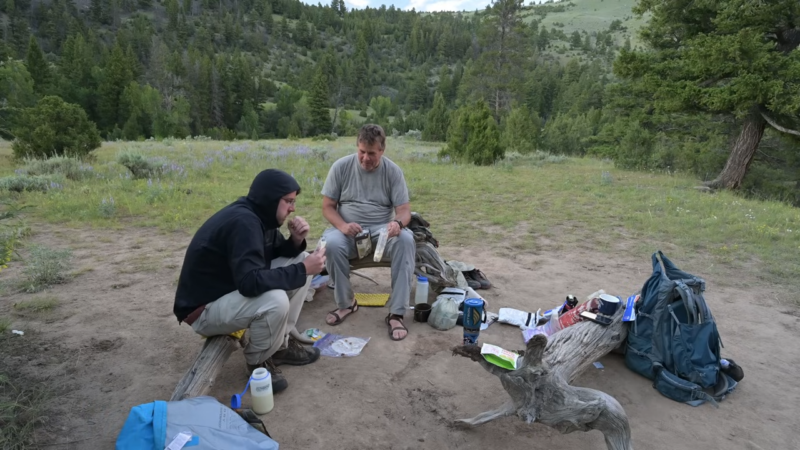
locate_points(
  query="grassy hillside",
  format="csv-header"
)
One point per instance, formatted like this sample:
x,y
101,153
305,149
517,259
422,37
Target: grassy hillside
x,y
591,16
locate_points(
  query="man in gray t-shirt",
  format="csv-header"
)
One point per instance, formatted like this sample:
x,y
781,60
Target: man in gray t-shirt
x,y
367,191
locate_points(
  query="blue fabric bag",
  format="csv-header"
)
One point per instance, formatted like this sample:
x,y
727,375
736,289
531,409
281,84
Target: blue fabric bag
x,y
206,423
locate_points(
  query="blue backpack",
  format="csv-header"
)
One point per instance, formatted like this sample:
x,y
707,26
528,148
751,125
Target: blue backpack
x,y
674,340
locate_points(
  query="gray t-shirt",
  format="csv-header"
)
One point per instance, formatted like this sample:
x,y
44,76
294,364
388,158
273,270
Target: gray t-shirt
x,y
366,198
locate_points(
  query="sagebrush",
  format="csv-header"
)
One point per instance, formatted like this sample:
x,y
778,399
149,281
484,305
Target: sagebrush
x,y
44,267
69,167
26,183
139,165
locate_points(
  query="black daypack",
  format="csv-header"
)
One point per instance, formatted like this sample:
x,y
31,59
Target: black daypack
x,y
674,340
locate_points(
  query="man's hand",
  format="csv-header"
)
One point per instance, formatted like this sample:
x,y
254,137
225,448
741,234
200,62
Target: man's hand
x,y
351,229
315,262
393,228
298,228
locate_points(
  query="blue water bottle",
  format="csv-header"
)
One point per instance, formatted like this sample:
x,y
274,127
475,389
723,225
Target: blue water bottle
x,y
473,313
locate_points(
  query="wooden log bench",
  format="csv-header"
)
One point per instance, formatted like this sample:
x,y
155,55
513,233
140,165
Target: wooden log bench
x,y
197,381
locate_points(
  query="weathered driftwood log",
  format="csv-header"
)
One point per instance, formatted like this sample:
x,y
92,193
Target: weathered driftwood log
x,y
200,377
540,389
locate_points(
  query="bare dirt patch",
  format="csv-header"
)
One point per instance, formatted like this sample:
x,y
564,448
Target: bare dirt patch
x,y
115,344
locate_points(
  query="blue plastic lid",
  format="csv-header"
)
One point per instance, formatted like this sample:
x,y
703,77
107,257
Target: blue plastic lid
x,y
422,279
473,302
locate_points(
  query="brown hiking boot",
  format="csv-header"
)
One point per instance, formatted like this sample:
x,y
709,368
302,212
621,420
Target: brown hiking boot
x,y
478,276
295,354
471,282
279,382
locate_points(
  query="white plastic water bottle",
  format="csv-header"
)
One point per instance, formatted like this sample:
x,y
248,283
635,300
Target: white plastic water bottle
x,y
421,294
261,391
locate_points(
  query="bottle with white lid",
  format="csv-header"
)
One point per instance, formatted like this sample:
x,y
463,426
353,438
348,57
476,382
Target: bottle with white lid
x,y
421,294
261,391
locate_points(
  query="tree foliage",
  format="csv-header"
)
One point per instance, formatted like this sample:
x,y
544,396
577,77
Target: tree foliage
x,y
474,135
734,57
438,120
54,128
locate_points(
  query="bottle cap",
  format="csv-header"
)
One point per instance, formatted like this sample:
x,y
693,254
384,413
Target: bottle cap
x,y
422,279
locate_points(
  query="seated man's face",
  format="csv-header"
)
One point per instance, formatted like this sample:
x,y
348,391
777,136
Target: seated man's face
x,y
369,156
285,207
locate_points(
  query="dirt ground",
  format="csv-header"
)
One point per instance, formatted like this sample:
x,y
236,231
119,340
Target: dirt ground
x,y
114,343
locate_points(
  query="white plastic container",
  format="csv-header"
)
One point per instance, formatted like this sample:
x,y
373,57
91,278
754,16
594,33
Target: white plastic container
x,y
261,391
381,245
421,294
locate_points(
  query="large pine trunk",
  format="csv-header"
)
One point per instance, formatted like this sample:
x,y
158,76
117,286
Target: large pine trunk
x,y
742,153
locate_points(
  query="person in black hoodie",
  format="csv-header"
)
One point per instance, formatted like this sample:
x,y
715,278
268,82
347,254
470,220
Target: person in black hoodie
x,y
240,272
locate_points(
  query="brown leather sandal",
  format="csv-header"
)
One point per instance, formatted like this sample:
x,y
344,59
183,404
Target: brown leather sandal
x,y
398,318
353,308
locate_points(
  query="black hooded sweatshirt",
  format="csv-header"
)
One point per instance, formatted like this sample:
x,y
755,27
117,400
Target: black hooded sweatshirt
x,y
233,249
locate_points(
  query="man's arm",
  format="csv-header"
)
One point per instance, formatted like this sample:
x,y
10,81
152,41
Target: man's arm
x,y
331,214
251,271
401,213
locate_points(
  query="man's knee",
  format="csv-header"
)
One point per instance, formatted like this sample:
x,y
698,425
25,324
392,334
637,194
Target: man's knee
x,y
405,241
336,242
273,303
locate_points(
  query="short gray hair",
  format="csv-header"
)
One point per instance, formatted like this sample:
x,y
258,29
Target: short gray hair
x,y
371,134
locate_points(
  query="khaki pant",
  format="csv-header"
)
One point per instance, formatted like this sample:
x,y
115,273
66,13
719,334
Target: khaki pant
x,y
270,317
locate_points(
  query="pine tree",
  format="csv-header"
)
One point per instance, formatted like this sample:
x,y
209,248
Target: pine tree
x,y
16,90
172,14
438,120
38,68
75,83
360,65
248,125
318,103
445,84
418,91
732,58
117,74
269,22
5,51
302,35
19,34
498,74
473,135
521,131
284,28
483,147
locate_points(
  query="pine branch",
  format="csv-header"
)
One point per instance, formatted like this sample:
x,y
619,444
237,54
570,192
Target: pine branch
x,y
778,127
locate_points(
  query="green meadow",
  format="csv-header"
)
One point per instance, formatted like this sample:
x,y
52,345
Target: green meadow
x,y
526,203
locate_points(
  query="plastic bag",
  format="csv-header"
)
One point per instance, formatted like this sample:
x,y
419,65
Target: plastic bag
x,y
383,236
338,346
444,313
363,243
